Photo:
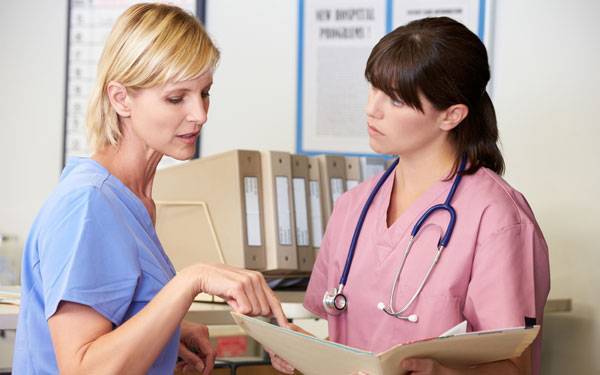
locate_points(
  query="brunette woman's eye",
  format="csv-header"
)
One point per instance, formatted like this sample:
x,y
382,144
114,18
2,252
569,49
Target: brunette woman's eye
x,y
397,102
205,94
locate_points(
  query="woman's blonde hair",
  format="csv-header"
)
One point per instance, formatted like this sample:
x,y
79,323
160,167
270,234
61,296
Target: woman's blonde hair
x,y
149,45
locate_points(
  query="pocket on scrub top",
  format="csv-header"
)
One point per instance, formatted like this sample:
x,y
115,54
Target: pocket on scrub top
x,y
437,312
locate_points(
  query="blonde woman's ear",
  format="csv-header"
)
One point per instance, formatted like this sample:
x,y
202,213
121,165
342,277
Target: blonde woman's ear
x,y
117,94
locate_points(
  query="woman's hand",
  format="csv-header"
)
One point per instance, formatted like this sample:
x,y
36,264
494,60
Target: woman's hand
x,y
279,363
195,349
245,291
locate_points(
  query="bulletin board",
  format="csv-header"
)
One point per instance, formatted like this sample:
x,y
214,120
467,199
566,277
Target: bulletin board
x,y
335,38
89,23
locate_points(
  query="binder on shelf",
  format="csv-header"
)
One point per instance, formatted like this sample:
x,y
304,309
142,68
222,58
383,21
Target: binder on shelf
x,y
280,241
371,166
198,245
333,181
210,209
353,172
316,202
302,212
172,216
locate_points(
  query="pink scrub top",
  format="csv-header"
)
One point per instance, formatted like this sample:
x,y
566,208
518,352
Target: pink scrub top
x,y
493,273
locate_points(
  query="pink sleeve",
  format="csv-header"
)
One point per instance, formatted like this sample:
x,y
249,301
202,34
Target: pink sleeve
x,y
320,277
324,275
509,280
313,300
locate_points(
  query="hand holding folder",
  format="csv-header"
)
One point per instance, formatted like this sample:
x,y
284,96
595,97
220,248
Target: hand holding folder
x,y
311,355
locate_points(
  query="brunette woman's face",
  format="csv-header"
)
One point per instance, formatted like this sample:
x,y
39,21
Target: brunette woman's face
x,y
396,128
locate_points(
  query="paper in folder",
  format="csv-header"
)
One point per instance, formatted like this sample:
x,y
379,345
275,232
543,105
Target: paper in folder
x,y
313,356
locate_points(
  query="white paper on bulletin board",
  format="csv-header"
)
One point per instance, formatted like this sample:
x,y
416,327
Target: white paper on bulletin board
x,y
90,22
335,38
475,14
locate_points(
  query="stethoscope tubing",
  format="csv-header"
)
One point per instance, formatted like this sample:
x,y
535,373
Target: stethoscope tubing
x,y
361,221
446,206
442,243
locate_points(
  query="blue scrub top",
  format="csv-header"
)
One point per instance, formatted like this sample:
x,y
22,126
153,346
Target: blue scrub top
x,y
92,243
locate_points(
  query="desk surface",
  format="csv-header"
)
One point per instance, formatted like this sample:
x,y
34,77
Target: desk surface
x,y
201,312
218,314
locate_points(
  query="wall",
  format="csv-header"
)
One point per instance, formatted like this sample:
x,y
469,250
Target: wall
x,y
546,56
32,36
546,93
253,98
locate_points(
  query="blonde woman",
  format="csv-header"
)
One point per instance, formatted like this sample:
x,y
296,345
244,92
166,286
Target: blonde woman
x,y
99,295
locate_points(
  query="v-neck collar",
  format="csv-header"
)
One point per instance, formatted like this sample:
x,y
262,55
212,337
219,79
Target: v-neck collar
x,y
390,237
136,204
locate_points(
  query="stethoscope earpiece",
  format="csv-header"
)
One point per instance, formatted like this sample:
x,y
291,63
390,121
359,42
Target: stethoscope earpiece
x,y
413,318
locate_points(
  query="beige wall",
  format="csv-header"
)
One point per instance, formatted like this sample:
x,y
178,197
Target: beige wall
x,y
32,78
32,58
548,101
546,62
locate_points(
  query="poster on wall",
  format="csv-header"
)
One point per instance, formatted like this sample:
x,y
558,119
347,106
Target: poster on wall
x,y
89,23
335,38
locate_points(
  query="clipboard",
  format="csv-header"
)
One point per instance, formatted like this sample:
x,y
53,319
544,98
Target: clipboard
x,y
311,355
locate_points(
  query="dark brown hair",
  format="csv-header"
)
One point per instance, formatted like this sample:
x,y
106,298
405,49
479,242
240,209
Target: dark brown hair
x,y
444,61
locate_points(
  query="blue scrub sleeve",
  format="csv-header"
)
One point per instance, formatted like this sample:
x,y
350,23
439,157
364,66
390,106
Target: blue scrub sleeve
x,y
89,257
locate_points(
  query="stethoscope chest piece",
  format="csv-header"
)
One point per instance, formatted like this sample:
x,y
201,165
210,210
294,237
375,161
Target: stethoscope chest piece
x,y
334,301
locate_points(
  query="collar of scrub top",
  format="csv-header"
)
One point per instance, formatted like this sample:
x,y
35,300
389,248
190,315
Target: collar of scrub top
x,y
335,301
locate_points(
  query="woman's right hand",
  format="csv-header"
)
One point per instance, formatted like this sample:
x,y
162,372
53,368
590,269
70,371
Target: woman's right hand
x,y
244,290
279,363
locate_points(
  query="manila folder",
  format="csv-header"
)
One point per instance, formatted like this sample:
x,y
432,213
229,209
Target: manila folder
x,y
311,355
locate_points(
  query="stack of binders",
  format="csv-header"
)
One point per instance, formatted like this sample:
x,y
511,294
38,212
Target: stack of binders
x,y
211,209
260,210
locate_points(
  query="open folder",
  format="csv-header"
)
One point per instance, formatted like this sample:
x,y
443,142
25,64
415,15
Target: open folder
x,y
311,355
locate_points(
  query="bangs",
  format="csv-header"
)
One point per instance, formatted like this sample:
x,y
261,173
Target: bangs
x,y
397,71
187,55
150,44
176,49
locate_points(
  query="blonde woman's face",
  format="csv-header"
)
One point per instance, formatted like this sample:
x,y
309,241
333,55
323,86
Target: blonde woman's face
x,y
168,118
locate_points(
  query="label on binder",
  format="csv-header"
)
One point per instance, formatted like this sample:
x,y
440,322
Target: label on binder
x,y
283,210
252,211
315,211
302,237
337,188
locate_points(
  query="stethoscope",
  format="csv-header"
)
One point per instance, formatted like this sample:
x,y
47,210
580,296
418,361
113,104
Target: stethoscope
x,y
335,302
